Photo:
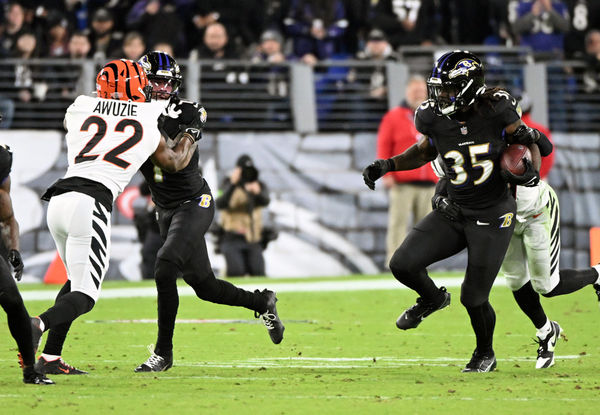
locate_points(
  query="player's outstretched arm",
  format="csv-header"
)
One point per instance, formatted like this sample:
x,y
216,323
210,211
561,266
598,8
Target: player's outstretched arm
x,y
9,228
413,157
175,159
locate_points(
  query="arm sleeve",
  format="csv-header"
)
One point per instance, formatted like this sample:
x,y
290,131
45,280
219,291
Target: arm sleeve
x,y
544,145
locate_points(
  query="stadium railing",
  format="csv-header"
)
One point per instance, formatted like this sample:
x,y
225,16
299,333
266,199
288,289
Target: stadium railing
x,y
332,96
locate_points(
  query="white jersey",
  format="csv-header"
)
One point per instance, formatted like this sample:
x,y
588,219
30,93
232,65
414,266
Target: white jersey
x,y
108,140
531,200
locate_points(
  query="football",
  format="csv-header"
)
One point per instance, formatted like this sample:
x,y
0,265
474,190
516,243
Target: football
x,y
512,158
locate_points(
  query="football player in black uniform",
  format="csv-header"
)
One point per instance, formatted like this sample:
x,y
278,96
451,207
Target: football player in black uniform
x,y
19,322
185,209
469,126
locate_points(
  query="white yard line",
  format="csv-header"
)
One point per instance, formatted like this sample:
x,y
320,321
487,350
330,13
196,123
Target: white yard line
x,y
280,287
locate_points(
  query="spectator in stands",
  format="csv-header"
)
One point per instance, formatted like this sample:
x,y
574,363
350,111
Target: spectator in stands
x,y
270,48
316,28
157,22
585,15
105,41
57,35
377,49
25,79
542,24
243,19
241,205
164,47
406,23
7,112
79,46
591,76
133,46
410,191
216,44
14,27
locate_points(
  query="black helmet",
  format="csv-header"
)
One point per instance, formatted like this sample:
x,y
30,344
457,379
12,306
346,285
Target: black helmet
x,y
161,66
456,80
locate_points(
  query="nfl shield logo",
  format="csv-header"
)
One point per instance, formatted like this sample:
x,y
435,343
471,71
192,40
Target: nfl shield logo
x,y
463,130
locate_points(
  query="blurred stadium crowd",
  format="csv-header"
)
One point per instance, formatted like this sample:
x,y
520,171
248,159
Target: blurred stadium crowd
x,y
307,30
564,34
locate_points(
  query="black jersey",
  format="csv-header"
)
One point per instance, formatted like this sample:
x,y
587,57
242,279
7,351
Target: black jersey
x,y
5,162
169,190
471,148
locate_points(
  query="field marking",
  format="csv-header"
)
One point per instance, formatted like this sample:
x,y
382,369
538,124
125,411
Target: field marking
x,y
279,287
194,321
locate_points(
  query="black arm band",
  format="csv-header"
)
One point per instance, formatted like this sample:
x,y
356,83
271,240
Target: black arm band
x,y
544,144
391,164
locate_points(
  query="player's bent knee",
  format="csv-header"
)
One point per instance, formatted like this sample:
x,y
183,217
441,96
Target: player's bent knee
x,y
471,299
165,271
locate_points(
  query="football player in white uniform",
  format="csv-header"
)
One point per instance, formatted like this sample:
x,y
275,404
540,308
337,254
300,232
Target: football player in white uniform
x,y
108,139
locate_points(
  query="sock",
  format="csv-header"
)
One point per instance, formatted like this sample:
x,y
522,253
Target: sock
x,y
529,302
572,280
56,339
545,330
50,357
483,320
66,309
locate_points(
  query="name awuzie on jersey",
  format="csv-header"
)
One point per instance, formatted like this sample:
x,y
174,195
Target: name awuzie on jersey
x,y
116,108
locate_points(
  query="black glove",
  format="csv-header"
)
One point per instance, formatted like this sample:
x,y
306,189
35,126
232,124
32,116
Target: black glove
x,y
376,170
446,207
14,257
196,124
530,178
525,135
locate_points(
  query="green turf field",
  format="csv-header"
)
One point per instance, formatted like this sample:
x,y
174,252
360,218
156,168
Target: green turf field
x,y
341,354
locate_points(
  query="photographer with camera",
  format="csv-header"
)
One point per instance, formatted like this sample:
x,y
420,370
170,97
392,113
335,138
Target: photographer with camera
x,y
241,205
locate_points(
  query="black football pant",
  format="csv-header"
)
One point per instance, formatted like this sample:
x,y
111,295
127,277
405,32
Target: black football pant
x,y
19,323
485,233
184,254
242,257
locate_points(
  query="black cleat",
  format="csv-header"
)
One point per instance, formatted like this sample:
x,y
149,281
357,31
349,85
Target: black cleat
x,y
597,289
412,317
155,363
56,367
36,333
480,363
32,377
270,317
545,352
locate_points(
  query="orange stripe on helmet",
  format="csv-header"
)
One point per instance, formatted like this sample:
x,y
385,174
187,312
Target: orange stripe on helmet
x,y
122,79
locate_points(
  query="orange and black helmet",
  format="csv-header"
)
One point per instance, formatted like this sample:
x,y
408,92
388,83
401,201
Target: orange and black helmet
x,y
123,79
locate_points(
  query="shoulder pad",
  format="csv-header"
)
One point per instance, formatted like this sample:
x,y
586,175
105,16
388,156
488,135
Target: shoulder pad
x,y
424,117
506,103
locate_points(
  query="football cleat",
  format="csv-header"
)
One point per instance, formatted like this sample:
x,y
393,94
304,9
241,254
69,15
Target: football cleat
x,y
480,363
412,317
597,289
545,352
32,377
36,333
155,363
56,367
270,318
